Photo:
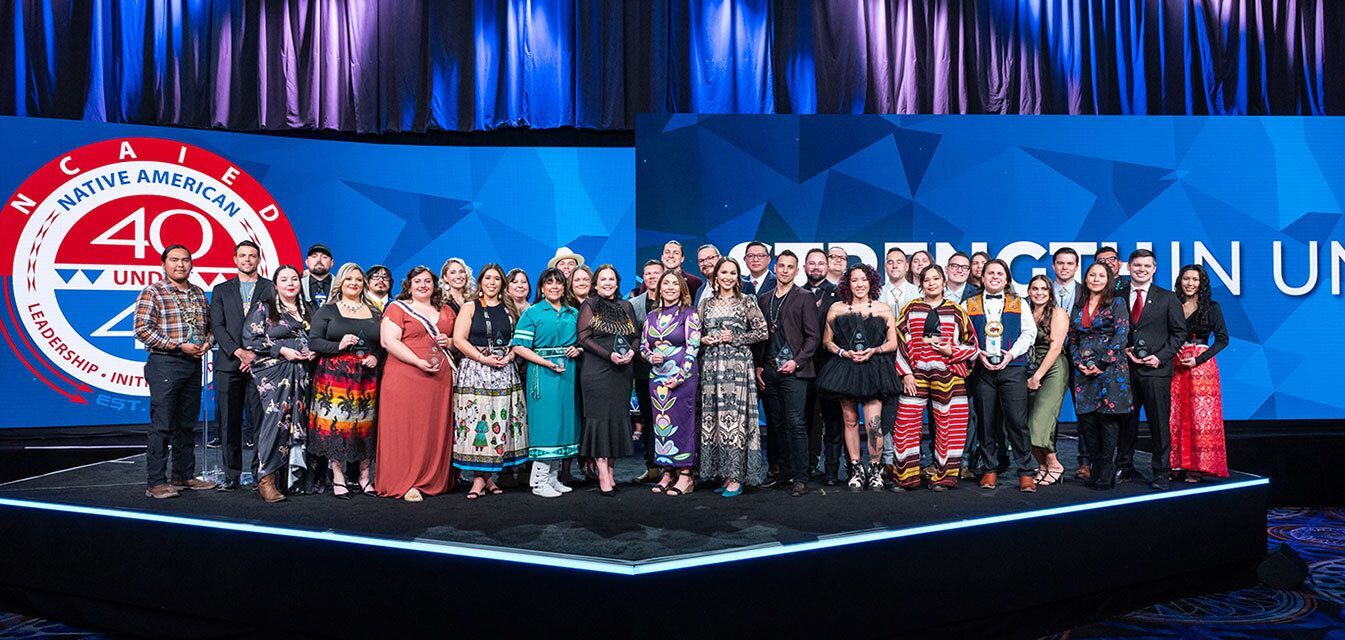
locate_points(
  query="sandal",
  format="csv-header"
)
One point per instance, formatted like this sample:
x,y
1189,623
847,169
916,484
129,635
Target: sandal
x,y
495,490
368,489
1052,477
472,495
341,496
660,487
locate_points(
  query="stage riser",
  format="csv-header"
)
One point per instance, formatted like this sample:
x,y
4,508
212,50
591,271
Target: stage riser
x,y
217,581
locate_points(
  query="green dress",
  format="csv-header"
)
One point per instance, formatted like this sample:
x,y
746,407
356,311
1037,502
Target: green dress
x,y
553,413
1044,403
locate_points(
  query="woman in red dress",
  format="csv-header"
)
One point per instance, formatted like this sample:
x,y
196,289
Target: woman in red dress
x,y
1197,405
415,443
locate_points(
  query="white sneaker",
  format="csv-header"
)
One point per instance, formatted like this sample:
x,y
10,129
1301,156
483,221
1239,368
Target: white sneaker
x,y
546,491
559,486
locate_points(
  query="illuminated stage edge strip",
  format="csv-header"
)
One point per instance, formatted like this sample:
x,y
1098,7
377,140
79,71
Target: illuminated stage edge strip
x,y
622,567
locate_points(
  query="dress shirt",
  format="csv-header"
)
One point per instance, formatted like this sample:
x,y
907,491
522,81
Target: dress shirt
x,y
899,295
1064,295
955,296
993,305
1134,288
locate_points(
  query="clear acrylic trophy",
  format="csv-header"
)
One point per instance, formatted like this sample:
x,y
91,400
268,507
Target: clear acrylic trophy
x,y
783,355
859,341
621,346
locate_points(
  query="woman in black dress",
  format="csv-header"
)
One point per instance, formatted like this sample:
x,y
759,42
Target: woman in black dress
x,y
345,335
608,334
861,332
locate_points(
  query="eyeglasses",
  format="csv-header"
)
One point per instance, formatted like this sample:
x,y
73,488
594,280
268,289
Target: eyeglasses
x,y
959,267
380,277
708,260
756,255
1109,260
836,258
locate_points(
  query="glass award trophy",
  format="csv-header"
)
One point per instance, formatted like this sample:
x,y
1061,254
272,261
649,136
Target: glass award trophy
x,y
994,349
435,357
621,346
361,348
210,459
859,341
783,354
1142,350
497,346
1088,359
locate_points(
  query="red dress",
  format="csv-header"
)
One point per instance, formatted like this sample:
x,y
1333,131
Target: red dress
x,y
415,438
1197,422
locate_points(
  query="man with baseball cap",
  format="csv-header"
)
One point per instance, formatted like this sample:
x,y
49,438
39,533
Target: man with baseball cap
x,y
317,282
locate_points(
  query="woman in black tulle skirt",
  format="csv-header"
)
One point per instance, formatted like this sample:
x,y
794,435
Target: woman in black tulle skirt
x,y
862,333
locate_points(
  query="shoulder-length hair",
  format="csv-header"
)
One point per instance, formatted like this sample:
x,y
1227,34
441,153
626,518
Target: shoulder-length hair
x,y
683,299
714,276
1048,307
468,290
514,273
273,302
1008,278
509,305
574,300
1108,291
1204,294
844,292
341,274
436,298
549,275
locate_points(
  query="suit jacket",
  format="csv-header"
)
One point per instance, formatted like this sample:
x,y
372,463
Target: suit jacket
x,y
968,290
641,305
799,325
824,294
227,317
1162,325
767,285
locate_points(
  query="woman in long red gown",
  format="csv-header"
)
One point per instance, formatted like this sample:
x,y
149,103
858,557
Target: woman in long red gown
x,y
1197,422
415,445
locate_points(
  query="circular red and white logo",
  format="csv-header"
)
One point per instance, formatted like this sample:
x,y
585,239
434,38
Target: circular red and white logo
x,y
81,237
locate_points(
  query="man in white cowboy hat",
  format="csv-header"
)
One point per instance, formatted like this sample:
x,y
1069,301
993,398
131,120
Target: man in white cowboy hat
x,y
565,260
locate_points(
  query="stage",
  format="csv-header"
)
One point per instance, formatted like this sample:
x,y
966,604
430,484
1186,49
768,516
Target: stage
x,y
86,543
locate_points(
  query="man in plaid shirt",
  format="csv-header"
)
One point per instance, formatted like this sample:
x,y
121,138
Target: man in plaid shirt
x,y
172,320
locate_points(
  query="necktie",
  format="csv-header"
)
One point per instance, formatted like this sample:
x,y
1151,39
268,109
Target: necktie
x,y
1060,297
1137,308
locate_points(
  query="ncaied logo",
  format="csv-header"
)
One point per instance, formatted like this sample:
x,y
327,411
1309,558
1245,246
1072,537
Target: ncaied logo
x,y
81,237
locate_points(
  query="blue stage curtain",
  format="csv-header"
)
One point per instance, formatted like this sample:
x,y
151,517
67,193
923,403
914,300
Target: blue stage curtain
x,y
373,66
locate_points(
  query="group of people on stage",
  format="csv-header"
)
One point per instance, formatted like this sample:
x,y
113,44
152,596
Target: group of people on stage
x,y
359,386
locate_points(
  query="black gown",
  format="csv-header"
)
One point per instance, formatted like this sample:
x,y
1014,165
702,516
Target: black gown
x,y
873,379
605,388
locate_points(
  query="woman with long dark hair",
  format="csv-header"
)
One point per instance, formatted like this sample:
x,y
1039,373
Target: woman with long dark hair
x,y
1198,448
607,332
671,343
277,331
1048,378
920,260
345,385
1101,383
731,322
861,331
491,425
415,409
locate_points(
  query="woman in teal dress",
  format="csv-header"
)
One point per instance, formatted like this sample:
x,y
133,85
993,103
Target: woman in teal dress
x,y
545,338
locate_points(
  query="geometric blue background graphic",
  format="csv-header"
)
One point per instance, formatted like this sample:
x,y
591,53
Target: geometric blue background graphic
x,y
398,205
1194,189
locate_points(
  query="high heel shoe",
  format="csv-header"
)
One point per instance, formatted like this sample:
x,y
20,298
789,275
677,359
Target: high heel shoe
x,y
730,494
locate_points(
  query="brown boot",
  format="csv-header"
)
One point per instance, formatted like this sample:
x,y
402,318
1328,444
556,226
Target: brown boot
x,y
194,484
1027,484
267,489
990,480
161,492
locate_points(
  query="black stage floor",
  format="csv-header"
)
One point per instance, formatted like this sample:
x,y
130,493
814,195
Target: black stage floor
x,y
86,540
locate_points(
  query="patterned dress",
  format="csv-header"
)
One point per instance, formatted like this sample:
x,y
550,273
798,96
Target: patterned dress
x,y
1101,339
730,438
940,382
284,386
345,392
491,423
674,333
1197,402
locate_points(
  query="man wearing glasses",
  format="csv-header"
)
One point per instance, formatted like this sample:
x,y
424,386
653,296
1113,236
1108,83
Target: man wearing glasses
x,y
706,258
837,261
758,280
380,284
959,270
1109,257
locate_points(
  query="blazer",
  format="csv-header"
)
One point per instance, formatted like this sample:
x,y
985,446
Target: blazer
x,y
767,285
227,318
799,324
1162,325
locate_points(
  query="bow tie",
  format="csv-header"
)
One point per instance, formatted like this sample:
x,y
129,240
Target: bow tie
x,y
994,296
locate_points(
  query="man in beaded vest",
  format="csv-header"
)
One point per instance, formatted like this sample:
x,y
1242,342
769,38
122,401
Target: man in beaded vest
x,y
1005,331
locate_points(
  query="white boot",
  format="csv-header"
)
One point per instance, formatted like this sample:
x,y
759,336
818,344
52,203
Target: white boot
x,y
541,471
553,479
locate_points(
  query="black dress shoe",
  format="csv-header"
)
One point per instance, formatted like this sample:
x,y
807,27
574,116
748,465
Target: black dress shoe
x,y
797,489
771,481
229,484
214,443
1124,475
831,481
1160,484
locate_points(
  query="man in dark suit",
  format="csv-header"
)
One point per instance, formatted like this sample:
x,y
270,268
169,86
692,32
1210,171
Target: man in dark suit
x,y
641,303
784,367
1069,293
958,289
230,304
1157,329
758,281
823,415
